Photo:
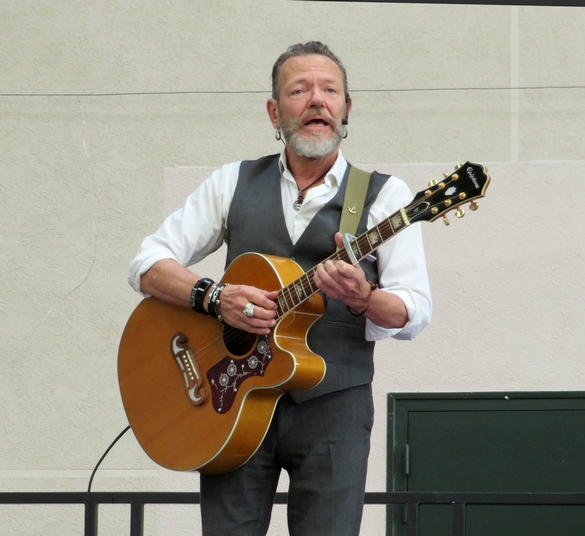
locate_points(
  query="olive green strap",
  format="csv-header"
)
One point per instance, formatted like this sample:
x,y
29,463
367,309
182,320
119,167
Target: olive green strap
x,y
353,203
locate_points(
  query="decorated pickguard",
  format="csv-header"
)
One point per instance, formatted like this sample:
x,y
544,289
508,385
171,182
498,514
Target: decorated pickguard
x,y
226,376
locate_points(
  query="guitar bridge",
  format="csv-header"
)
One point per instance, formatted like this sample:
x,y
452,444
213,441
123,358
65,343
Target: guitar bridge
x,y
184,356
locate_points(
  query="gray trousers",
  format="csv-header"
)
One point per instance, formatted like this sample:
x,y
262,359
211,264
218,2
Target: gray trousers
x,y
324,445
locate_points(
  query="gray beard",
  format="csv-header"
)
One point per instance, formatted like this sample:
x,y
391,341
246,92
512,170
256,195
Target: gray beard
x,y
314,147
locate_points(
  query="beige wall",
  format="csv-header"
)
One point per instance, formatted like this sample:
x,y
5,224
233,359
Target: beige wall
x,y
102,104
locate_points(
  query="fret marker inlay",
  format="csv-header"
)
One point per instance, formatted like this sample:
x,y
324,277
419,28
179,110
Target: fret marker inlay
x,y
396,222
374,237
300,291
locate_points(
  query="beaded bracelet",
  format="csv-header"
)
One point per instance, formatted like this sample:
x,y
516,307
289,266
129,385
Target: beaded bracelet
x,y
198,293
373,287
213,303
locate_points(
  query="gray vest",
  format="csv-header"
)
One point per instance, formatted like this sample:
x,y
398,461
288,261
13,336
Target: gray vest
x,y
256,224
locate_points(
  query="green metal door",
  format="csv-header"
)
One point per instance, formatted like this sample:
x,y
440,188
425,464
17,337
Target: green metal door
x,y
499,442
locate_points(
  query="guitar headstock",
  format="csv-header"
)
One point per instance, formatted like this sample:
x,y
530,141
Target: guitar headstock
x,y
467,183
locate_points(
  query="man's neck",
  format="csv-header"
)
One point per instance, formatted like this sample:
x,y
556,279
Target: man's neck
x,y
305,170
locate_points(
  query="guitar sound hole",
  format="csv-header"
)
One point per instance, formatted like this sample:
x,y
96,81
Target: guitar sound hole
x,y
238,342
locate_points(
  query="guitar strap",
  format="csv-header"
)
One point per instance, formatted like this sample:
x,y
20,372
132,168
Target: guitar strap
x,y
353,202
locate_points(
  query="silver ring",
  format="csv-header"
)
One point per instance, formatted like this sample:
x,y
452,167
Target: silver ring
x,y
249,310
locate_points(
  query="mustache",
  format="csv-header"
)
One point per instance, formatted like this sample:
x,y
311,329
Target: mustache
x,y
313,112
319,112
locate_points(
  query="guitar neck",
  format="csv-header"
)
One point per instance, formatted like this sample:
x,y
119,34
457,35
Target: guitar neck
x,y
468,183
303,288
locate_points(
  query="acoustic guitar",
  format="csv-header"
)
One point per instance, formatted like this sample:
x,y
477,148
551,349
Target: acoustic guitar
x,y
200,394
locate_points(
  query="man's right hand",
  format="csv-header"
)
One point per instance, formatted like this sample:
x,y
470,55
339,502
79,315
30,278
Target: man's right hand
x,y
235,299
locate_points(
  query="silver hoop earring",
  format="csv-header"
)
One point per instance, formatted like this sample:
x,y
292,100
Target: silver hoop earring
x,y
344,132
278,135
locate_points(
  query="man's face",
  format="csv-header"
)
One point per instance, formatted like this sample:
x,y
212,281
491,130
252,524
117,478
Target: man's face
x,y
310,106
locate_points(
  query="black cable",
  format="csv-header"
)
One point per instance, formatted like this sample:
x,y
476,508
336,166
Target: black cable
x,y
104,455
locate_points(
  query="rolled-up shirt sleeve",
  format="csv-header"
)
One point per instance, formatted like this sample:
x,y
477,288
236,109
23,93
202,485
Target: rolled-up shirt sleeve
x,y
192,232
401,265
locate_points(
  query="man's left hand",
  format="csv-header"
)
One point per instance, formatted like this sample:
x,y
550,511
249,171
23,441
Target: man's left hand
x,y
343,281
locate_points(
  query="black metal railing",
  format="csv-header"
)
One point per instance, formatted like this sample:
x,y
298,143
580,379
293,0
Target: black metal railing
x,y
411,500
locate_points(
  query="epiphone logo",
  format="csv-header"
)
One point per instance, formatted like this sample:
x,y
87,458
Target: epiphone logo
x,y
472,177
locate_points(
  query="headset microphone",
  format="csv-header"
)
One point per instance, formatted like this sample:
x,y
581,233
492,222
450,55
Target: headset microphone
x,y
345,120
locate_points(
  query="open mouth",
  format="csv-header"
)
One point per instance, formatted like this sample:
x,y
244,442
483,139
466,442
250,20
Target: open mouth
x,y
316,122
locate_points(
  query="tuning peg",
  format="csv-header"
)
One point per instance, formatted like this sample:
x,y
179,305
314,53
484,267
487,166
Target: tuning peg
x,y
446,174
460,213
473,205
432,183
458,166
446,220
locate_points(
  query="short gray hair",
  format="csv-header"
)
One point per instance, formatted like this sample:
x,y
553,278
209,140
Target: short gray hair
x,y
300,49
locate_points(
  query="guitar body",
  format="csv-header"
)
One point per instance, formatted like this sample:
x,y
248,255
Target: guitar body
x,y
200,395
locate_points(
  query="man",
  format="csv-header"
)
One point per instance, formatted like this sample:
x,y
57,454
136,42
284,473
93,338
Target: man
x,y
321,437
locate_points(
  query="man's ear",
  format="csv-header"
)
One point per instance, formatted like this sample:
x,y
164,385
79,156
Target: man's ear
x,y
272,109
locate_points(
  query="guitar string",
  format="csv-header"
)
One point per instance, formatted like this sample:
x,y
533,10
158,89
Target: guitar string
x,y
383,226
364,240
236,333
232,335
337,256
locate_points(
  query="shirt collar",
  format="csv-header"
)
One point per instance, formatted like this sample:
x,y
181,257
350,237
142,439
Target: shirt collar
x,y
334,175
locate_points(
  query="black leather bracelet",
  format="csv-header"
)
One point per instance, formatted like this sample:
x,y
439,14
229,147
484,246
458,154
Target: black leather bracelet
x,y
198,293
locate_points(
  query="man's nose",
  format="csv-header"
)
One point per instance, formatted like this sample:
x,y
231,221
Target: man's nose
x,y
316,97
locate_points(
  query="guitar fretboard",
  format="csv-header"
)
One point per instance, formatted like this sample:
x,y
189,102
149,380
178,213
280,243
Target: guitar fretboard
x,y
303,288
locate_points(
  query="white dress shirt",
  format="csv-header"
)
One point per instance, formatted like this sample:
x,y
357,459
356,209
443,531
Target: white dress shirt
x,y
193,232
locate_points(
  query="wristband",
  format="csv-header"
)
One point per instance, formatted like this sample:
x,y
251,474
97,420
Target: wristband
x,y
373,287
198,295
213,303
